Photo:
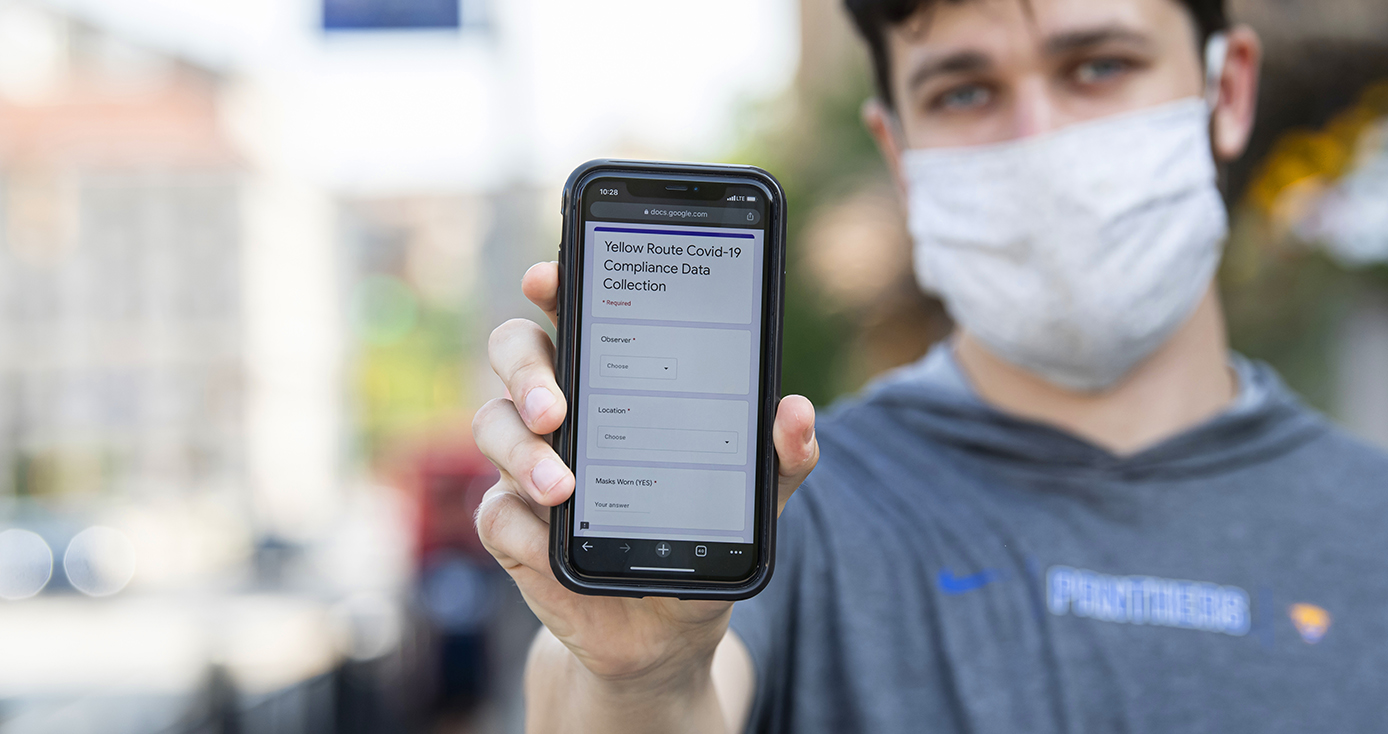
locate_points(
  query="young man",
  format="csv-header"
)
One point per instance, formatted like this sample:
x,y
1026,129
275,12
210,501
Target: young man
x,y
1083,513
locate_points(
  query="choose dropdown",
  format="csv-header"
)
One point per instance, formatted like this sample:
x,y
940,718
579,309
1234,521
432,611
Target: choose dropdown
x,y
667,439
644,368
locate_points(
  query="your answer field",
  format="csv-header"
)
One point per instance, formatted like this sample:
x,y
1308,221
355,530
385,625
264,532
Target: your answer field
x,y
665,498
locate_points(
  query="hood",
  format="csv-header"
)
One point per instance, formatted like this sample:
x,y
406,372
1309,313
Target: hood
x,y
943,413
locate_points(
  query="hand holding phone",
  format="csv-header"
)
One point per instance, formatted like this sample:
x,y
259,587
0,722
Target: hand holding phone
x,y
613,637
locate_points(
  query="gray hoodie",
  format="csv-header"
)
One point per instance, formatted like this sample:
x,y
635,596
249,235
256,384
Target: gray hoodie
x,y
948,568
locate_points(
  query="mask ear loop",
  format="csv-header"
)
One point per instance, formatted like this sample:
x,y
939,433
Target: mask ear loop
x,y
1216,54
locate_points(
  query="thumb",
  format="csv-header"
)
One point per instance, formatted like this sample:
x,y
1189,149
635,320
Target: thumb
x,y
796,446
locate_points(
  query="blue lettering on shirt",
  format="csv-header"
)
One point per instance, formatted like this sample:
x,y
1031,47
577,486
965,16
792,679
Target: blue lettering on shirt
x,y
1150,600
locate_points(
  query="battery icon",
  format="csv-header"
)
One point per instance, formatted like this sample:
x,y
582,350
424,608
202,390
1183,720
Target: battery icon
x,y
751,198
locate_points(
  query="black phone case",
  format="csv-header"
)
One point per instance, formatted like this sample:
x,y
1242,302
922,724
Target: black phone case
x,y
564,439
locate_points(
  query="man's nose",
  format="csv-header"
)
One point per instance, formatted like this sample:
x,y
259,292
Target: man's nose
x,y
1034,110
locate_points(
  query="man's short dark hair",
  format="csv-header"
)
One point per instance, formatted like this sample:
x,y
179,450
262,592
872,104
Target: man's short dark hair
x,y
874,17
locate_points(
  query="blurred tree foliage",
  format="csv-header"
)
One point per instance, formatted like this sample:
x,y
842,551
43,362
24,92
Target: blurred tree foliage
x,y
816,146
405,385
409,371
1286,298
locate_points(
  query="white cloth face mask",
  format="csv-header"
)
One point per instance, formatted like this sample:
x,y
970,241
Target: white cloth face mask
x,y
1076,254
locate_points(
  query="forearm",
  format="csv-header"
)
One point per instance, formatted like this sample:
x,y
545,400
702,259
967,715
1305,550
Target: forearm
x,y
563,696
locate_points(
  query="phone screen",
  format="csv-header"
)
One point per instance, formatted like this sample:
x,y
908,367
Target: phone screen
x,y
668,378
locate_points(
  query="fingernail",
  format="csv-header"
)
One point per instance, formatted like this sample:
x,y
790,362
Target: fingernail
x,y
537,401
809,434
547,474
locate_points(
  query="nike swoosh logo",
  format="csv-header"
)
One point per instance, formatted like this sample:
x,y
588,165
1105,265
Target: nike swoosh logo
x,y
953,585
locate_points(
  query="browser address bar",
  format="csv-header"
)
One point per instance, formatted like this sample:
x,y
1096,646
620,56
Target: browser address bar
x,y
675,213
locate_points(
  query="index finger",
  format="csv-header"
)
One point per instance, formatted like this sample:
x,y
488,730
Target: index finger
x,y
541,285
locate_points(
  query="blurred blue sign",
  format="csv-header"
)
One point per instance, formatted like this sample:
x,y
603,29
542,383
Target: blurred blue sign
x,y
366,15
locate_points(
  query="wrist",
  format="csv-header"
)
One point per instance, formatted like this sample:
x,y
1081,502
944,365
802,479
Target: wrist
x,y
680,675
674,694
677,696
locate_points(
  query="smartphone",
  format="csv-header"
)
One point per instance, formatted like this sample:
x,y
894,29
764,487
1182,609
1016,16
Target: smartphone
x,y
671,283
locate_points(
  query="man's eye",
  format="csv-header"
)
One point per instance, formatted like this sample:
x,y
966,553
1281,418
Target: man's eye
x,y
1097,71
967,97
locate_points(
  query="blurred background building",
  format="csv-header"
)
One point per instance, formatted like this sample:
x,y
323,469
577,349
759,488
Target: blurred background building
x,y
249,256
251,251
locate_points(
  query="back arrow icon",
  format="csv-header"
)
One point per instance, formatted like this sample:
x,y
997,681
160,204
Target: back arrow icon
x,y
585,546
625,547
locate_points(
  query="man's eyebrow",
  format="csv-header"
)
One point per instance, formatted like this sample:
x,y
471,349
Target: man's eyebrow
x,y
1068,41
955,63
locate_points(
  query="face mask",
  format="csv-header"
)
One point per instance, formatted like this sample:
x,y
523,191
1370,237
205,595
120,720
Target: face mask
x,y
1073,255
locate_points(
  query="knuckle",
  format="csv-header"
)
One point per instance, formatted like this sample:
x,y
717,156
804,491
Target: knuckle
x,y
492,514
507,330
488,414
519,350
800,466
530,365
811,462
521,454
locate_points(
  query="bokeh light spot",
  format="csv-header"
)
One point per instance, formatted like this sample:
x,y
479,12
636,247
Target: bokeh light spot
x,y
26,564
100,561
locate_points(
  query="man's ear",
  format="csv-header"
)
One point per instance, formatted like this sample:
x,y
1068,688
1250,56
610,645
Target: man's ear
x,y
1238,94
879,122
